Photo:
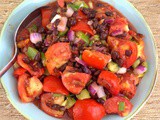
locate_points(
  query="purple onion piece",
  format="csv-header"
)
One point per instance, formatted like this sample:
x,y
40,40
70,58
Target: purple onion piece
x,y
93,88
100,92
140,70
71,35
80,61
35,37
109,20
100,49
86,70
116,33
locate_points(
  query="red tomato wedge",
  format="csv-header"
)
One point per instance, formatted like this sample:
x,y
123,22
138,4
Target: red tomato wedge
x,y
47,98
29,88
82,26
95,59
118,105
110,81
121,46
74,81
88,110
19,71
54,85
120,24
46,16
20,61
61,3
57,55
81,15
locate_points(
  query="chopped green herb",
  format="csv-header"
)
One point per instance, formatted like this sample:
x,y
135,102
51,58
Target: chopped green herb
x,y
33,28
83,36
121,106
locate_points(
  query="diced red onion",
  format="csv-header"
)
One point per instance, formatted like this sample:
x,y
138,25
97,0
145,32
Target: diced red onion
x,y
93,88
80,61
71,35
56,17
62,25
100,49
117,32
122,70
35,37
90,22
100,92
69,12
109,21
140,70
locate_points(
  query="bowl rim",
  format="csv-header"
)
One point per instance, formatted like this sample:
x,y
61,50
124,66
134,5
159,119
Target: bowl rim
x,y
154,80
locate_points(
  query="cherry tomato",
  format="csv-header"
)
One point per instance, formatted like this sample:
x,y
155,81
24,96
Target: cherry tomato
x,y
29,88
54,85
95,59
81,15
46,16
61,3
19,71
88,109
57,55
110,81
121,46
82,26
132,77
46,99
118,105
74,81
20,61
120,24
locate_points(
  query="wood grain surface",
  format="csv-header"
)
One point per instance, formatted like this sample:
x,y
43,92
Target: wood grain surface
x,y
150,9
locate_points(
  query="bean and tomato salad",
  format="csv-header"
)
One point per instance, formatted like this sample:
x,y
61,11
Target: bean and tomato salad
x,y
82,58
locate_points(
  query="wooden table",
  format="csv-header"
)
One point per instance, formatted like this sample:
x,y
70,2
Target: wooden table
x,y
150,10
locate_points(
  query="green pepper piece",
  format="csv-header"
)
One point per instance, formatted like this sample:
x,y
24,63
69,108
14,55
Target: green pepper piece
x,y
62,34
145,64
81,4
121,106
113,67
74,7
83,95
33,28
83,36
70,102
31,53
43,59
136,63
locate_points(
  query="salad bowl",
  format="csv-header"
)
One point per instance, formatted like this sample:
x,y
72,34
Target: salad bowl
x,y
29,110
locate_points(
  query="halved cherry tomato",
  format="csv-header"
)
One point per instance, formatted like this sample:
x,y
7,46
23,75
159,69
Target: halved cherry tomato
x,y
19,71
88,109
112,106
47,98
121,46
110,81
95,59
81,15
61,3
82,26
20,61
57,55
74,81
120,24
29,88
54,85
46,16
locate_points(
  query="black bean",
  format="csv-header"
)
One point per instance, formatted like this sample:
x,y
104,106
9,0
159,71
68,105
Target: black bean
x,y
109,13
86,11
63,67
55,107
100,28
115,55
94,78
128,53
40,65
38,45
97,72
37,57
94,96
77,65
92,14
41,30
120,62
26,60
122,35
71,21
108,94
103,35
99,4
93,70
44,49
42,78
56,23
95,23
100,100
